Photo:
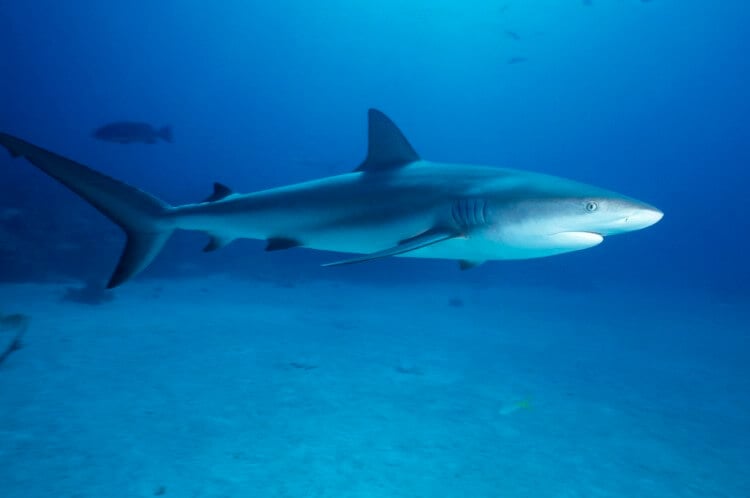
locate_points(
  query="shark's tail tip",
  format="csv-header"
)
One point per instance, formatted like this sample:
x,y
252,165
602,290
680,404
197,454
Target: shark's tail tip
x,y
8,141
140,215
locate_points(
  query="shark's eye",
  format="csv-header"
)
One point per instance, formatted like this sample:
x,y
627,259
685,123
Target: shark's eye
x,y
591,206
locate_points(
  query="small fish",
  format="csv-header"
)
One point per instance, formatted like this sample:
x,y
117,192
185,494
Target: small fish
x,y
299,365
512,35
7,214
516,60
128,132
16,325
510,408
587,3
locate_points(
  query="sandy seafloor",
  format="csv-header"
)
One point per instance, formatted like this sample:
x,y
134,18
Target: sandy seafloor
x,y
227,388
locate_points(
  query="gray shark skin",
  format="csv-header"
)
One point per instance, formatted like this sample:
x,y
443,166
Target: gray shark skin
x,y
393,204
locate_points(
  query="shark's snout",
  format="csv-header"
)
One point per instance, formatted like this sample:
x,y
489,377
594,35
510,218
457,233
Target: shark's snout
x,y
643,217
628,216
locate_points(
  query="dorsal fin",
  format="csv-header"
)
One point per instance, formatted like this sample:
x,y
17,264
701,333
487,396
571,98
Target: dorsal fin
x,y
220,191
387,147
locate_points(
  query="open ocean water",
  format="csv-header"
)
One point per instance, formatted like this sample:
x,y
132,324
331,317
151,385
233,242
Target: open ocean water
x,y
621,370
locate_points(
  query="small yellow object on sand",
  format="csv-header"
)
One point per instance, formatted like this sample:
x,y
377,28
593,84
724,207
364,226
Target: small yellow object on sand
x,y
509,408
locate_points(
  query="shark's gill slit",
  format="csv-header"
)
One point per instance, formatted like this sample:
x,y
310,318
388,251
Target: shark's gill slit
x,y
469,213
456,212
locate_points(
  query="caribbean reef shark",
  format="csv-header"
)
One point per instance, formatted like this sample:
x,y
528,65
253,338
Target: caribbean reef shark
x,y
393,204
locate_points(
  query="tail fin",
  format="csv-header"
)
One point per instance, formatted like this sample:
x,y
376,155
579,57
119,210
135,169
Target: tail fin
x,y
140,215
166,134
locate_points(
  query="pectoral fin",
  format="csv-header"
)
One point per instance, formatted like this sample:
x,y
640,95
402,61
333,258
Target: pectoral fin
x,y
424,239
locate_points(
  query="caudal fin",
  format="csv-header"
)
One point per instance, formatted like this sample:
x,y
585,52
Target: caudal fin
x,y
141,215
166,134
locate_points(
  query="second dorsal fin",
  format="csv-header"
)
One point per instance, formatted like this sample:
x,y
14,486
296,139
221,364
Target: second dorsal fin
x,y
387,147
220,191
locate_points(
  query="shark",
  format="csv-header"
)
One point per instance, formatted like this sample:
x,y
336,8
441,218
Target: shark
x,y
394,204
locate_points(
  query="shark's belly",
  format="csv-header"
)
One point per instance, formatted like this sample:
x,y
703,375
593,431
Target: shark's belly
x,y
472,247
476,249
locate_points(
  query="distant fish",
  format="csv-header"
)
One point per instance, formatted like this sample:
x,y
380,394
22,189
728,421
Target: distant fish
x,y
510,408
12,328
512,35
128,132
587,2
517,60
7,214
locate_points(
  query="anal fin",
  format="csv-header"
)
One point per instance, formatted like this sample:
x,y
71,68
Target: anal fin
x,y
432,236
466,264
280,243
216,243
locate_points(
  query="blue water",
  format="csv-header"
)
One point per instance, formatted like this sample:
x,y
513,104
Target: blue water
x,y
621,370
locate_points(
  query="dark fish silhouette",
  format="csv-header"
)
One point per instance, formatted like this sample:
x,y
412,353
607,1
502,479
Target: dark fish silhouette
x,y
15,326
516,60
512,35
128,132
